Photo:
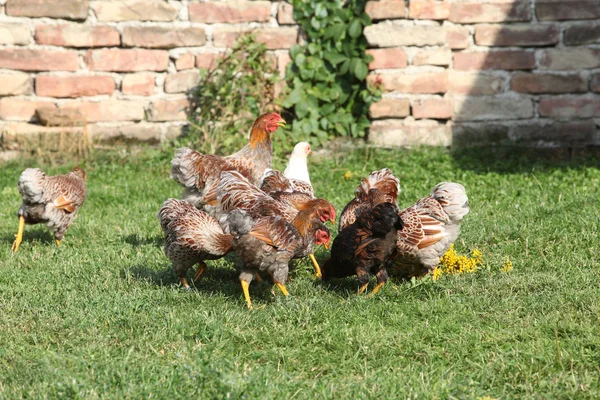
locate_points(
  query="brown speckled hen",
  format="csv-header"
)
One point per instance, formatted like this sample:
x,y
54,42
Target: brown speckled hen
x,y
199,173
191,237
51,200
431,225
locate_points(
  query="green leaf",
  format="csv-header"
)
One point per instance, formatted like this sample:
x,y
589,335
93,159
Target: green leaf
x,y
335,31
361,70
300,59
355,29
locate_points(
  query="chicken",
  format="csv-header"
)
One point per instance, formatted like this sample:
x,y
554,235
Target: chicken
x,y
432,224
52,200
384,181
199,173
297,170
268,244
364,246
278,186
191,237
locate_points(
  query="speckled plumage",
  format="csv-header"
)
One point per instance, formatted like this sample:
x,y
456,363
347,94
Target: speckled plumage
x,y
276,185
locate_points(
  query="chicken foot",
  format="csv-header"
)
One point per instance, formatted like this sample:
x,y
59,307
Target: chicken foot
x,y
245,285
19,235
316,265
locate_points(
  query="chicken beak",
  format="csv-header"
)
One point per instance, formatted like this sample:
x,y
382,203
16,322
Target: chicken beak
x,y
281,123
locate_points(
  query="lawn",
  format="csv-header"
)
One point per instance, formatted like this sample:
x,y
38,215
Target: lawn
x,y
103,316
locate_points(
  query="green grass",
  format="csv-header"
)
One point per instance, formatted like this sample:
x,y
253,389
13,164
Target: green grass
x,y
104,317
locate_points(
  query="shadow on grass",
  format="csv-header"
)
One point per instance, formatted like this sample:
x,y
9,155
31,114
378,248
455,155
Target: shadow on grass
x,y
136,240
33,234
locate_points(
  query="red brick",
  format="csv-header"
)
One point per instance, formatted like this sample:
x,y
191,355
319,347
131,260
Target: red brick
x,y
396,132
185,61
15,84
495,11
386,9
570,58
134,10
392,57
15,109
230,12
108,110
73,86
595,83
14,34
155,37
429,9
182,81
390,108
558,10
77,35
438,56
392,35
285,13
548,83
508,60
206,60
169,110
432,108
475,84
517,35
283,59
424,82
38,59
127,60
67,9
458,37
140,84
574,107
273,38
52,116
587,32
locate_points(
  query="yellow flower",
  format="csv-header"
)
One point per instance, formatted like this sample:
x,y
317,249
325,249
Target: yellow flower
x,y
486,398
348,175
452,263
507,265
437,273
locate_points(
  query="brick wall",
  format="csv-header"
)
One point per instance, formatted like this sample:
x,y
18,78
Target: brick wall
x,y
454,71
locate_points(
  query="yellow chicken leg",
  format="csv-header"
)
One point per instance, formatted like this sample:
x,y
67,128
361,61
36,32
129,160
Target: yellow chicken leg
x,y
376,289
184,282
200,271
57,242
281,287
317,267
362,289
19,235
245,286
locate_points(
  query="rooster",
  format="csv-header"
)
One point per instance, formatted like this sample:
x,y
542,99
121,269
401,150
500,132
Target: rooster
x,y
191,237
384,181
364,246
53,200
432,224
199,173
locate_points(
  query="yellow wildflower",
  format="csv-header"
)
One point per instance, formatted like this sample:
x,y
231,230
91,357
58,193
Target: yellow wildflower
x,y
348,175
437,273
507,265
452,263
486,398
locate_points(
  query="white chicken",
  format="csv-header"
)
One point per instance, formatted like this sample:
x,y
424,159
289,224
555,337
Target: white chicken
x,y
297,169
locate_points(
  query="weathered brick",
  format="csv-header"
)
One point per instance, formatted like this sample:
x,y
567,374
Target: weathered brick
x,y
108,110
15,109
508,60
77,35
230,12
555,133
587,32
185,61
595,83
458,37
181,81
134,10
273,38
127,133
432,108
390,108
548,83
127,60
429,9
73,86
394,132
169,110
474,84
439,56
285,13
495,11
38,59
517,35
490,108
384,35
15,84
386,9
424,82
155,37
392,57
67,9
572,107
53,116
14,34
558,10
206,60
472,134
140,84
570,58
283,59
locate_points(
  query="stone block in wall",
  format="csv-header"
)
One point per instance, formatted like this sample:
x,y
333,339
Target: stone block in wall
x,y
570,58
554,133
77,35
127,60
53,116
273,38
108,110
390,108
419,82
155,37
517,35
387,35
595,83
385,9
67,9
440,56
548,83
20,109
139,84
206,60
429,9
570,107
479,134
469,12
73,86
182,82
458,37
12,33
500,60
492,108
15,84
396,132
475,83
583,33
38,59
432,109
230,12
185,61
283,59
558,10
131,132
391,57
169,110
134,10
285,13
